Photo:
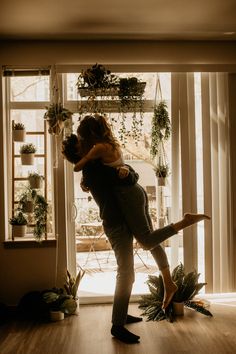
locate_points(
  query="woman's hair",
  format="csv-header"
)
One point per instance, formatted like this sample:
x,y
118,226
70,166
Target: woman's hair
x,y
70,149
95,129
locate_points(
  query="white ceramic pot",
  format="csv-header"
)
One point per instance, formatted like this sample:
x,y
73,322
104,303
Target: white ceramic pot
x,y
18,230
27,159
178,308
19,135
56,316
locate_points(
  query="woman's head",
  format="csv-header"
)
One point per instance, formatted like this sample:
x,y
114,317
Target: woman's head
x,y
70,149
94,129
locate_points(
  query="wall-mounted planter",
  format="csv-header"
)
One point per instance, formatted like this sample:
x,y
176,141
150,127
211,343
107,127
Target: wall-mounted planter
x,y
29,206
27,159
35,182
18,230
19,135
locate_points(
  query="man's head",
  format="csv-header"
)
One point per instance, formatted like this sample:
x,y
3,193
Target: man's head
x,y
70,149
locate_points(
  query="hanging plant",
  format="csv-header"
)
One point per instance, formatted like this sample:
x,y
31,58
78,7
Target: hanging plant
x,y
57,117
161,127
188,288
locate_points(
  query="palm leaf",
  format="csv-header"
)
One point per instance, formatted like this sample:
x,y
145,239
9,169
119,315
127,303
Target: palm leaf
x,y
193,305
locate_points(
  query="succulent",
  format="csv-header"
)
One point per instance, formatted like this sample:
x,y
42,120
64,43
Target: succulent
x,y
18,219
27,149
18,126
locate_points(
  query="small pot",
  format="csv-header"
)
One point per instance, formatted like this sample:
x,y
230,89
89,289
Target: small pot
x,y
18,135
161,181
35,182
178,308
18,230
56,316
27,159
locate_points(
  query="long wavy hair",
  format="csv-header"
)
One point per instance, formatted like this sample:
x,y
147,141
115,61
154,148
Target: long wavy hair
x,y
95,129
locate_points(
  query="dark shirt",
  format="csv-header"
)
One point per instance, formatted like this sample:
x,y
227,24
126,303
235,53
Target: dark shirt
x,y
100,180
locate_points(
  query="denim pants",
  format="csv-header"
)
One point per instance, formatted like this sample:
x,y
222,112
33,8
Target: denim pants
x,y
134,205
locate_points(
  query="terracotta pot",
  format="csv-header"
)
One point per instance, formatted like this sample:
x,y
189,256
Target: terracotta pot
x,y
178,308
18,230
27,159
19,135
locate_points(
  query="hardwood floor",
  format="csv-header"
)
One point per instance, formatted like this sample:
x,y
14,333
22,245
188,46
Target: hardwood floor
x,y
89,333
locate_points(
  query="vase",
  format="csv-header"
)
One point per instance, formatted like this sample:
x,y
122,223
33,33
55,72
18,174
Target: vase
x,y
18,231
178,308
56,316
19,135
27,159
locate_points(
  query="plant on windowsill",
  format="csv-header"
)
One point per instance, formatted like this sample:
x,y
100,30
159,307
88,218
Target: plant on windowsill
x,y
18,132
162,171
18,223
57,117
35,180
188,288
27,152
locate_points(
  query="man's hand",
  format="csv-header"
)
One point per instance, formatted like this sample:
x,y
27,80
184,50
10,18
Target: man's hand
x,y
123,171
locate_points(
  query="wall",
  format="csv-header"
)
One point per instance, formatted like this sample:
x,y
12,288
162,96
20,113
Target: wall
x,y
22,270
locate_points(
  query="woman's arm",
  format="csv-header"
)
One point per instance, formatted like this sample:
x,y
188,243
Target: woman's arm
x,y
96,152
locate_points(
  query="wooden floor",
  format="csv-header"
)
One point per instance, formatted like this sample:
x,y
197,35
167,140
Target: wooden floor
x,y
89,333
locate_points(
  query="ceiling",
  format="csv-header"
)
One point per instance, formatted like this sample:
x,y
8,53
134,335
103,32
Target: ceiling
x,y
123,19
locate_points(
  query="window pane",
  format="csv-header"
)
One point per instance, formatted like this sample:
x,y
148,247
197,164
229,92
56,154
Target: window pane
x,y
31,118
32,88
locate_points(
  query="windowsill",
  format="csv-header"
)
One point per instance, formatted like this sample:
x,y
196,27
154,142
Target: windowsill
x,y
30,243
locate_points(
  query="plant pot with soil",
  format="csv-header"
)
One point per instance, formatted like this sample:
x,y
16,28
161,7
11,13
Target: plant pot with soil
x,y
18,132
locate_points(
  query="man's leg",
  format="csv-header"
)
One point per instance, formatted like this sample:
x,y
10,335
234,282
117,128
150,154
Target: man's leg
x,y
122,243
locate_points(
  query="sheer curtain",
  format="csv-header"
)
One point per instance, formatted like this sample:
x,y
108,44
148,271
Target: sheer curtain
x,y
216,174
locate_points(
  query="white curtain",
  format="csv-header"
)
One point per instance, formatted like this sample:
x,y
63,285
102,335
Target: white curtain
x,y
216,174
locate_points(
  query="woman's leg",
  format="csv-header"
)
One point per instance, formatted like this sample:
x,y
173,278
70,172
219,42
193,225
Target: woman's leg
x,y
131,200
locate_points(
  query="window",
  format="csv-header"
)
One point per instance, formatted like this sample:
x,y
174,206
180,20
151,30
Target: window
x,y
27,95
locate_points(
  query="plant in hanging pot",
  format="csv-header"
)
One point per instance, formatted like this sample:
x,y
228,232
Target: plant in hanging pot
x,y
188,288
57,117
162,171
18,223
18,132
27,152
35,180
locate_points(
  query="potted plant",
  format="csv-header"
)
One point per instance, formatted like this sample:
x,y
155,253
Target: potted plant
x,y
57,117
161,128
188,288
71,286
35,180
18,132
59,303
40,216
18,223
162,172
27,152
27,201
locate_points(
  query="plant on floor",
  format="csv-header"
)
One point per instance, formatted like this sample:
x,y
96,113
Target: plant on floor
x,y
188,288
72,284
57,300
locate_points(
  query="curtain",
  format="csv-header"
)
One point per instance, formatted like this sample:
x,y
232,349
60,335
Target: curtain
x,y
215,177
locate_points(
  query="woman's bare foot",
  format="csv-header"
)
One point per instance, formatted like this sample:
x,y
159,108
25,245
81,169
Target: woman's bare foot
x,y
190,219
168,295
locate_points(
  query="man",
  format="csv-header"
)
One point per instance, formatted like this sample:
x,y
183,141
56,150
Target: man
x,y
98,179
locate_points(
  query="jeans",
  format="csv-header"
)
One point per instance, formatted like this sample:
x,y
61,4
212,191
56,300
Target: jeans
x,y
133,202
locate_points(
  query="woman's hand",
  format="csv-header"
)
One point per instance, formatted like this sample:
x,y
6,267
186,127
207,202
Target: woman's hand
x,y
83,186
123,171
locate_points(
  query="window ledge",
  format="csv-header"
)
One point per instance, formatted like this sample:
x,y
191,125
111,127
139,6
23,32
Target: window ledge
x,y
29,243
